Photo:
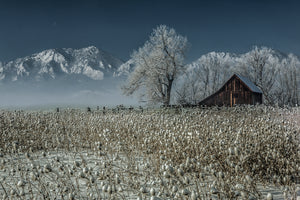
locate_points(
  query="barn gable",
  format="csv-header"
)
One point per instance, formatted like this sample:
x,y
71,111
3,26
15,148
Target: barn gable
x,y
237,90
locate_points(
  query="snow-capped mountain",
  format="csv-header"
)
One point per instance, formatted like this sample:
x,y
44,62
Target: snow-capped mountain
x,y
52,64
125,69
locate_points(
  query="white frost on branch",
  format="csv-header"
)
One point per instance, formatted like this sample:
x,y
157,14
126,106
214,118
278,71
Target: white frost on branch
x,y
156,65
277,75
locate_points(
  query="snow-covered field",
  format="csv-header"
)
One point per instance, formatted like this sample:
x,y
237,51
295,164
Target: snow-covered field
x,y
216,153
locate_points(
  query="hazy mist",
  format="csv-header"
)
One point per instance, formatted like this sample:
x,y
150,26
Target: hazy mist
x,y
62,93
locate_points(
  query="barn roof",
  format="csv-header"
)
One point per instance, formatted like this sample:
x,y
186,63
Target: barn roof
x,y
249,84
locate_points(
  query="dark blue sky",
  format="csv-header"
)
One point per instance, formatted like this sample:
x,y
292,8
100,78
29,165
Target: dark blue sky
x,y
119,27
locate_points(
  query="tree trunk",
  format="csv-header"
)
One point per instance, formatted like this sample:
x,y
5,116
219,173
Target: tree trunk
x,y
168,95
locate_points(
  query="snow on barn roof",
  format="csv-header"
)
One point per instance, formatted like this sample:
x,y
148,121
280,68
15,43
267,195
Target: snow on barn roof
x,y
249,83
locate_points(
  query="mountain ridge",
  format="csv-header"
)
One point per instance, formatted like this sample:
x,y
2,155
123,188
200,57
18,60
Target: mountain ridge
x,y
50,64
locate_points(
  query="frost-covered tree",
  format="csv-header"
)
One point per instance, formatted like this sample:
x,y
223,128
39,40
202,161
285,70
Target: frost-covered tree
x,y
261,66
204,77
157,65
288,82
277,75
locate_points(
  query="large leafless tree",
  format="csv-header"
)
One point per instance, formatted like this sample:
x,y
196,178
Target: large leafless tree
x,y
288,87
157,65
204,77
261,67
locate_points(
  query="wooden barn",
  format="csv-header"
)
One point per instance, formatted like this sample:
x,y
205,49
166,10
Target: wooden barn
x,y
237,90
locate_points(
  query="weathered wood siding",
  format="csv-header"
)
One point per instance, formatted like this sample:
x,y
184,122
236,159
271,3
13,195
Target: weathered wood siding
x,y
232,93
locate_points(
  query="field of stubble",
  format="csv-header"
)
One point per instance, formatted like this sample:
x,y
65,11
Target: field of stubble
x,y
216,153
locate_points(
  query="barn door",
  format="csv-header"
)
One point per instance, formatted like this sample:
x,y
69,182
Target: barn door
x,y
233,98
